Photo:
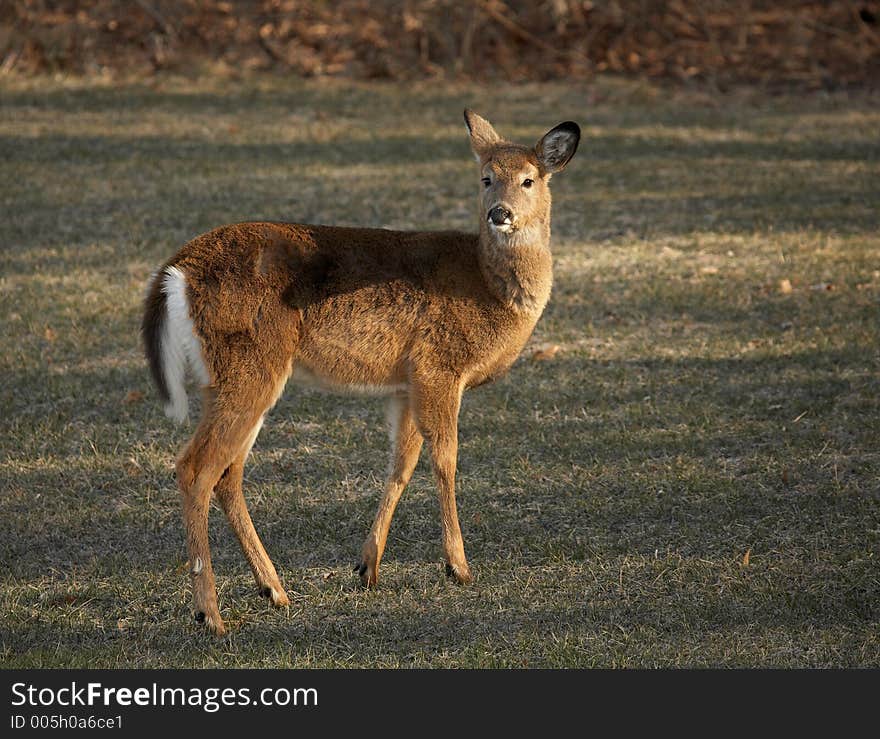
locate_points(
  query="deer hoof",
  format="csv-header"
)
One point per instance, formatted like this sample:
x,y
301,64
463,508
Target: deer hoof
x,y
461,574
369,575
276,596
214,624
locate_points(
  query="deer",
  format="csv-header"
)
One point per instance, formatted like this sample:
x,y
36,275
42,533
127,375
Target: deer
x,y
415,316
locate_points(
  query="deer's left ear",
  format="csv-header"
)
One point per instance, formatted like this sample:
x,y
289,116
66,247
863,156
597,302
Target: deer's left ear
x,y
483,136
558,145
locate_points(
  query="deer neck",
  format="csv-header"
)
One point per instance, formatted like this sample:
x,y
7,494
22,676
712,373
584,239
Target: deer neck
x,y
517,266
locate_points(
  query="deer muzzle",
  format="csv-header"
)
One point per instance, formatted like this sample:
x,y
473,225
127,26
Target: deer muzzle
x,y
501,218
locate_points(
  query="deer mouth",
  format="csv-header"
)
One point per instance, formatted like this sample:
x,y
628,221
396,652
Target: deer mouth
x,y
505,227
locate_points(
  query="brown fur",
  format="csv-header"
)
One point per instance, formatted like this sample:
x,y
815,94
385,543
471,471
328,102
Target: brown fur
x,y
418,316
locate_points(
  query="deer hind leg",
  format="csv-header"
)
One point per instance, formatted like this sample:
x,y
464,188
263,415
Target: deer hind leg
x,y
227,426
406,443
229,492
437,404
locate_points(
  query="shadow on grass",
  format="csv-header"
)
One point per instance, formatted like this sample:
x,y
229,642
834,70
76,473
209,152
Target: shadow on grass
x,y
165,179
590,619
338,99
696,467
187,152
570,464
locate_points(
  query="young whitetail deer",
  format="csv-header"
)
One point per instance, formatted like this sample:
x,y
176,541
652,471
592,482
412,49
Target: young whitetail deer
x,y
416,316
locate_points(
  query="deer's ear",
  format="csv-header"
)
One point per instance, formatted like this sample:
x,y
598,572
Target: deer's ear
x,y
558,145
483,136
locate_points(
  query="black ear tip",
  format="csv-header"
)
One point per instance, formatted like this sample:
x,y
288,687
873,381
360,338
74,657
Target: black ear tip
x,y
468,113
571,127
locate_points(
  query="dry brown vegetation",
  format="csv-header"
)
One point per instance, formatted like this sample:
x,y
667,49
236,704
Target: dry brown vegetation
x,y
812,44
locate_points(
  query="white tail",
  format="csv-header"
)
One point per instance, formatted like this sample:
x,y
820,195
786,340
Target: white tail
x,y
180,346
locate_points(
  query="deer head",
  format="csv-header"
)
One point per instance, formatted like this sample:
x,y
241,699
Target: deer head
x,y
515,193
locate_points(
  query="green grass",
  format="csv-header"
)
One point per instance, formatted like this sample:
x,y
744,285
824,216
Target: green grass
x,y
697,410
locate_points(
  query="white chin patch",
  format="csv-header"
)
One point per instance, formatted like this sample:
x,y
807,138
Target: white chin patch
x,y
504,228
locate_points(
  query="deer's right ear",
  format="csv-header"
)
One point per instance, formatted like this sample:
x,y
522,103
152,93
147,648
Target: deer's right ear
x,y
558,146
483,136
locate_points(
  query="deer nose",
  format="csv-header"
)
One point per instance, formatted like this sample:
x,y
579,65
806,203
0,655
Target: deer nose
x,y
499,215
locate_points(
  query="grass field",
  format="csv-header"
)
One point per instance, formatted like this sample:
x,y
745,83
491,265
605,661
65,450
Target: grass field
x,y
693,479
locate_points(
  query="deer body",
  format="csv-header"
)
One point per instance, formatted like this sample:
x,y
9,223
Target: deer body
x,y
416,316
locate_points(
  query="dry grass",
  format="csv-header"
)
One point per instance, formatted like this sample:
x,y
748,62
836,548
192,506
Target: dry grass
x,y
691,480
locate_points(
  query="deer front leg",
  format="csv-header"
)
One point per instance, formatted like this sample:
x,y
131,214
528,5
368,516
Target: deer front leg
x,y
437,406
406,444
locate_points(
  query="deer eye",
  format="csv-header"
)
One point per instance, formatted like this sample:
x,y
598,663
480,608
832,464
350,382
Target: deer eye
x,y
487,181
528,183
